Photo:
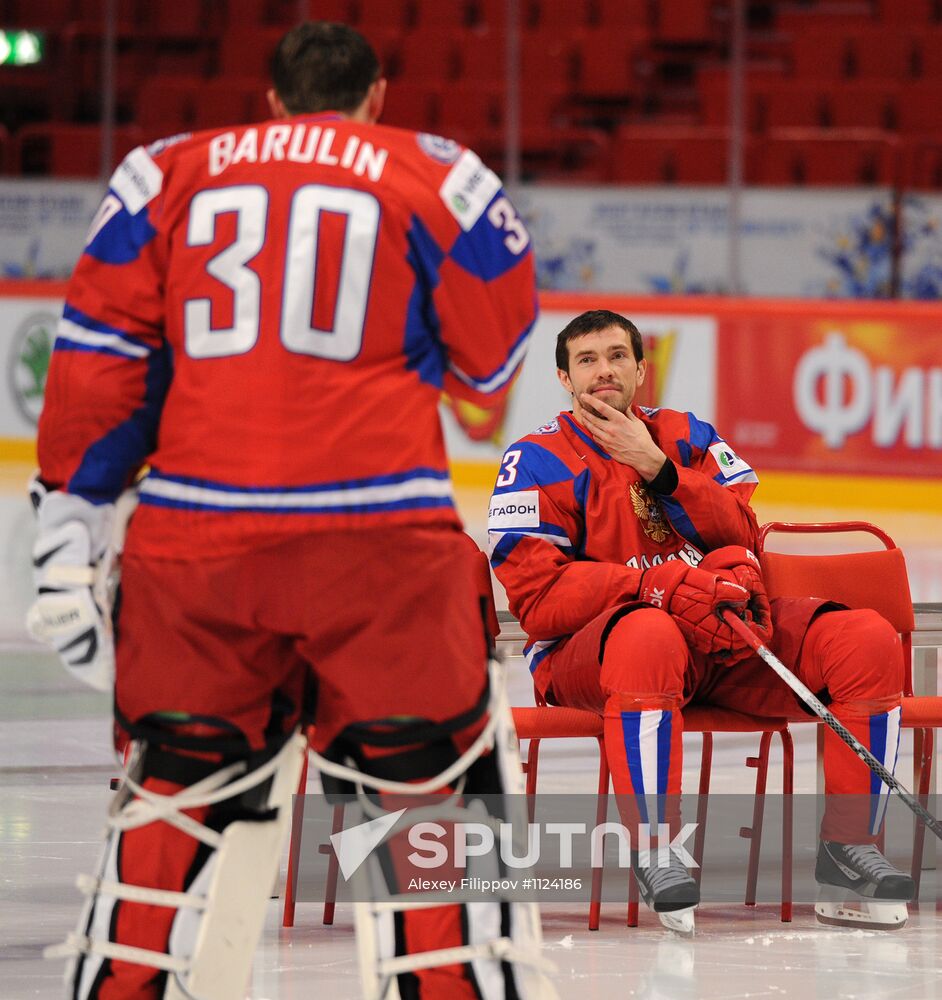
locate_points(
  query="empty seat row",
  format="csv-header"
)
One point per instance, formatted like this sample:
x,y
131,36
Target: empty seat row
x,y
197,16
773,101
634,155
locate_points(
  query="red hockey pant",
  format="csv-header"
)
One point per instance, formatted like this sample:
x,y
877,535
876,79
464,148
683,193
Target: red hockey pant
x,y
389,624
647,674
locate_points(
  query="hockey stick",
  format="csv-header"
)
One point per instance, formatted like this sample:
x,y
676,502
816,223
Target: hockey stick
x,y
743,630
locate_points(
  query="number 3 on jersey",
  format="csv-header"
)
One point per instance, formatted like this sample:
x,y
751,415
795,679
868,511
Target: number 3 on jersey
x,y
508,468
249,203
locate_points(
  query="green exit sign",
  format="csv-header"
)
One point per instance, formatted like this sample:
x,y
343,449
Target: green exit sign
x,y
21,48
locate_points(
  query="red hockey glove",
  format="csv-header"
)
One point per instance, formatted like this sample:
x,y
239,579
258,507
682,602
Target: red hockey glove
x,y
744,566
692,597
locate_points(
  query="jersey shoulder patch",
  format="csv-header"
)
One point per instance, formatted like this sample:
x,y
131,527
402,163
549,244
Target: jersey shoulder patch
x,y
468,189
137,181
549,428
438,147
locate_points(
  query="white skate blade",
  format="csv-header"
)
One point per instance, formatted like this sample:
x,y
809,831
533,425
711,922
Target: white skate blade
x,y
863,913
679,921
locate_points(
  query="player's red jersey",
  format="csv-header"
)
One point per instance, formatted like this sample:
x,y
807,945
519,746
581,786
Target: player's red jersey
x,y
268,315
571,530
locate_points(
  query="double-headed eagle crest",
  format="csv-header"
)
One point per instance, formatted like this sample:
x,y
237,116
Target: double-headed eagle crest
x,y
648,511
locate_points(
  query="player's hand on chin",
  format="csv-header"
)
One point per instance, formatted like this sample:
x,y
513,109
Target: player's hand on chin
x,y
622,435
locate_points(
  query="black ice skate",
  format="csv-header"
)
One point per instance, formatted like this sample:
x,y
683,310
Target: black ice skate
x,y
668,889
859,887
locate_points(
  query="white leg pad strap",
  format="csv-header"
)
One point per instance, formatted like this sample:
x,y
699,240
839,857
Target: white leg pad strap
x,y
219,918
487,949
236,881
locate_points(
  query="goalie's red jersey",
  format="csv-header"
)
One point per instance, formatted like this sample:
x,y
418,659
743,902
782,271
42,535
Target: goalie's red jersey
x,y
267,316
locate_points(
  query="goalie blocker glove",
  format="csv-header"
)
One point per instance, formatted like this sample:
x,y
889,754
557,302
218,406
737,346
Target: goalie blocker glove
x,y
693,597
69,612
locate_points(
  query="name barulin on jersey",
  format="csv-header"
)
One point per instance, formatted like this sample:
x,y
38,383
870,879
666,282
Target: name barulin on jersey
x,y
299,143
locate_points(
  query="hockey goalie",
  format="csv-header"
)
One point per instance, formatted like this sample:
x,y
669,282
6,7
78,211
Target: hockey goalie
x,y
259,330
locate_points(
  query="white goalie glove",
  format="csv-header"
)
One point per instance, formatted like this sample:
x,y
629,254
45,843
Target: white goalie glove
x,y
75,560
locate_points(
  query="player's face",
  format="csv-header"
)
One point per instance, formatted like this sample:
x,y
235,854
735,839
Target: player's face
x,y
603,365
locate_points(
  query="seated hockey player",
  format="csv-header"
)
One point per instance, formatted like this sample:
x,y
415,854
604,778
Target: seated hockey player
x,y
254,308
617,532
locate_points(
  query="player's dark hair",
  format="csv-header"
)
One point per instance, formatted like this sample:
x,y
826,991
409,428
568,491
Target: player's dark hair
x,y
591,322
321,66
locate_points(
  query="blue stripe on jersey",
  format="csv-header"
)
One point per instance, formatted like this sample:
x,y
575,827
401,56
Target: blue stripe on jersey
x,y
663,762
686,453
393,478
746,476
109,463
536,467
580,489
411,490
76,316
424,351
121,239
631,734
501,551
63,344
680,519
505,372
878,749
511,537
702,434
482,250
413,503
535,656
585,438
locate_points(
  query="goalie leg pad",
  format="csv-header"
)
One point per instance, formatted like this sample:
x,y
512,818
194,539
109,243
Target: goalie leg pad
x,y
233,822
497,943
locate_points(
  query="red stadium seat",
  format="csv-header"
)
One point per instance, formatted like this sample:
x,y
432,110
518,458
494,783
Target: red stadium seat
x,y
920,109
864,103
427,55
616,13
395,14
910,12
777,103
472,109
482,55
243,13
69,150
547,59
246,51
884,53
444,15
40,14
713,95
228,100
921,163
286,12
412,105
929,53
490,14
665,154
684,22
551,15
605,61
825,156
167,104
820,52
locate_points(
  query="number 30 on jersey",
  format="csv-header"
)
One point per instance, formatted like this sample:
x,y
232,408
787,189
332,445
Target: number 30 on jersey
x,y
249,204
